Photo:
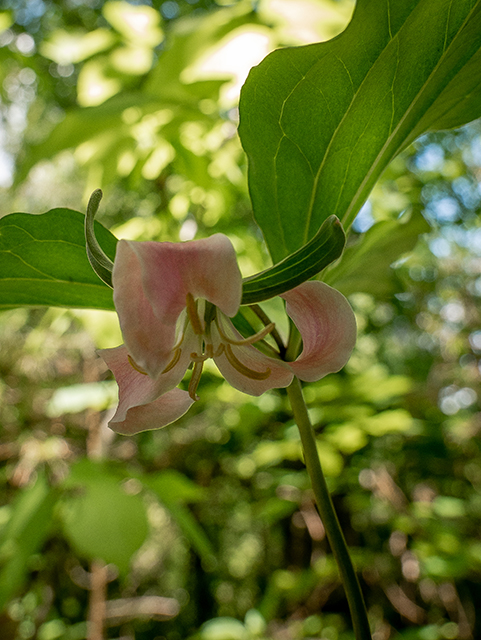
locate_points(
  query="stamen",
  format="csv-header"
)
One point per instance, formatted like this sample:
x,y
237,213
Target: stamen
x,y
209,353
220,351
241,368
193,315
209,350
275,334
135,366
195,357
174,361
195,379
260,335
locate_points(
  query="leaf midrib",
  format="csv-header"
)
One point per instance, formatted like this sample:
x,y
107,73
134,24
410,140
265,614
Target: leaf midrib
x,y
402,120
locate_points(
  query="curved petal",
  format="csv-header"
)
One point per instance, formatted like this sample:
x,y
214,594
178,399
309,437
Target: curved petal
x,y
144,403
155,415
247,356
204,268
327,325
149,341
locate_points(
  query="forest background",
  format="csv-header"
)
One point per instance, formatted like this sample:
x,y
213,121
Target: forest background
x,y
208,526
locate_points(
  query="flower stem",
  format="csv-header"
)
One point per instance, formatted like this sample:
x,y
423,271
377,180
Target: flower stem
x,y
328,515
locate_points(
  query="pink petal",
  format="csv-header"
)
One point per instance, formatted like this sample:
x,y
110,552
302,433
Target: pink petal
x,y
328,328
159,413
149,341
279,373
144,403
204,268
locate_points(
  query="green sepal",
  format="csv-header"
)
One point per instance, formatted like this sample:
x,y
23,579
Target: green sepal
x,y
99,260
325,247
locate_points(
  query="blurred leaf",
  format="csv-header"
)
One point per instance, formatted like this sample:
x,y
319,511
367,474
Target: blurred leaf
x,y
24,535
82,125
100,519
68,47
271,452
139,24
365,266
320,123
378,386
111,127
193,532
78,397
224,629
347,437
174,490
6,20
43,261
449,507
331,460
275,509
172,486
393,421
188,40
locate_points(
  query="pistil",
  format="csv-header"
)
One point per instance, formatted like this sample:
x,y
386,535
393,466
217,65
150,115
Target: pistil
x,y
195,379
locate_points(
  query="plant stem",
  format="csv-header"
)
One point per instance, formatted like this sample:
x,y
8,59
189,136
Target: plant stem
x,y
98,593
328,514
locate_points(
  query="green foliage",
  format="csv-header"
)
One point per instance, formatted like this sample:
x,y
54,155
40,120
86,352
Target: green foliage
x,y
227,524
307,262
175,490
28,526
365,265
99,260
43,261
100,519
320,123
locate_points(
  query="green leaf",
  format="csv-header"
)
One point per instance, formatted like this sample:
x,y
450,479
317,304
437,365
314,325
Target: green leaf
x,y
174,489
365,266
100,519
172,486
325,247
43,261
320,123
24,535
82,124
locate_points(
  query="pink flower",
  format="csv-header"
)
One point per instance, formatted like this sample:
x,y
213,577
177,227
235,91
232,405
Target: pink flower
x,y
175,301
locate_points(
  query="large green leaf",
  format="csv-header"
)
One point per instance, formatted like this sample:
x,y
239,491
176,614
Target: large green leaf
x,y
43,261
320,123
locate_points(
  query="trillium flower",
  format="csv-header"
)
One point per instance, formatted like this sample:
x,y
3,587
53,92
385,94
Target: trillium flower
x,y
175,302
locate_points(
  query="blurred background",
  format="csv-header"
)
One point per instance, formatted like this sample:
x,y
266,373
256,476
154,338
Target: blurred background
x,y
207,529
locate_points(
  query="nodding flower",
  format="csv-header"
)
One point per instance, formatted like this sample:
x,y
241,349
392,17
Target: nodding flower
x,y
175,302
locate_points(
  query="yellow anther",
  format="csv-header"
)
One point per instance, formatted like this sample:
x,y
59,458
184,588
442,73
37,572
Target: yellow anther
x,y
135,366
241,368
174,361
260,335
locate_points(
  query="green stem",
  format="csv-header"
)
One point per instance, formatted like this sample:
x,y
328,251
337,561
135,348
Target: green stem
x,y
328,514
